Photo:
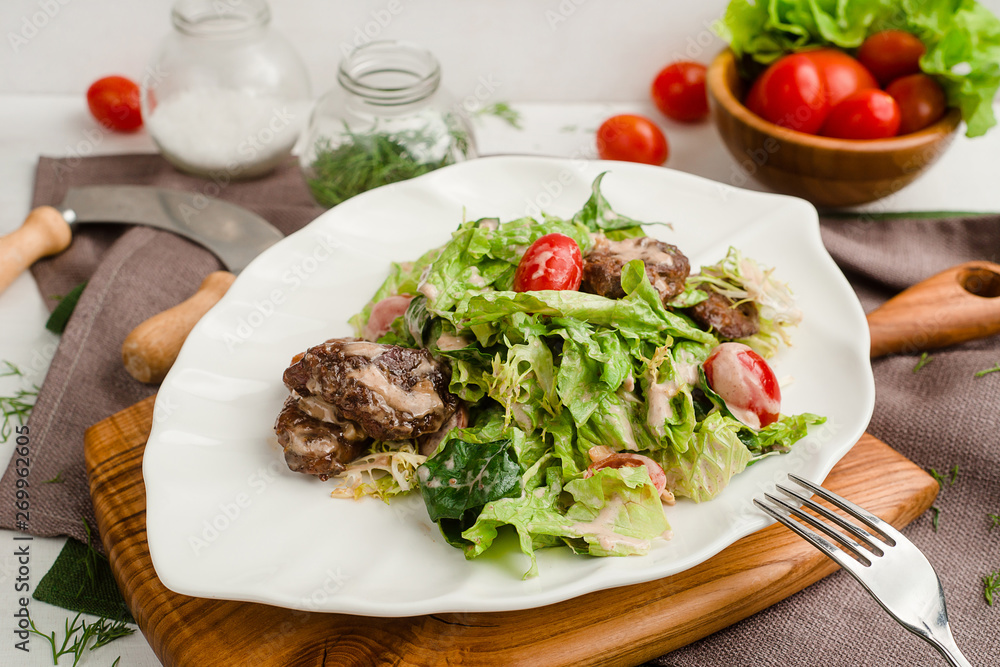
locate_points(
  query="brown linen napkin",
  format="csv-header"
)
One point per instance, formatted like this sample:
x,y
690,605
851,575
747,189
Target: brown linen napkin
x,y
939,417
134,273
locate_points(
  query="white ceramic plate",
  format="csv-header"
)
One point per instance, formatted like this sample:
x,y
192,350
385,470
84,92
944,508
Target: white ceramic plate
x,y
227,519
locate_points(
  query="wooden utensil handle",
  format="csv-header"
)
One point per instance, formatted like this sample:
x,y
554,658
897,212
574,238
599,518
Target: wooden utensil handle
x,y
954,306
44,232
152,347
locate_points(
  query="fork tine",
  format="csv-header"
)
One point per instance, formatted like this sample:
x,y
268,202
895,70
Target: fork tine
x,y
888,533
843,542
859,534
831,550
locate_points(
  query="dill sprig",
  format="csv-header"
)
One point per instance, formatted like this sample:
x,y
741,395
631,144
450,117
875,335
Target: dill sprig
x,y
942,478
101,632
362,161
987,371
58,479
995,520
923,361
90,559
991,585
504,112
16,407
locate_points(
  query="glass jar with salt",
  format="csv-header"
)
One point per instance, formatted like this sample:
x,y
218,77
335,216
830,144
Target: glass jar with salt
x,y
389,120
225,97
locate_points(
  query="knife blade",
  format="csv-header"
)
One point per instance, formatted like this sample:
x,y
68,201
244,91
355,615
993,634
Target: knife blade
x,y
232,233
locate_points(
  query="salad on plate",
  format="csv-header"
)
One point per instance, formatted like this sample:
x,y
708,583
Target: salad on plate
x,y
563,377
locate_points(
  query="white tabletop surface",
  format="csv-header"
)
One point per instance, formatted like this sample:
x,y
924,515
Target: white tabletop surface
x,y
58,125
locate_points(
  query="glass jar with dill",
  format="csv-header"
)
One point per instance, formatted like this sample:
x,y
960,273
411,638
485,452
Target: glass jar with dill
x,y
389,120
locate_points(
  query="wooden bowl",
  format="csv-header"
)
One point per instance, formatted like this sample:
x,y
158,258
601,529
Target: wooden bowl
x,y
827,172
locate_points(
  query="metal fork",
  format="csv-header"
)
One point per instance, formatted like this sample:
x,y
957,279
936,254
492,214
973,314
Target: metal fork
x,y
888,565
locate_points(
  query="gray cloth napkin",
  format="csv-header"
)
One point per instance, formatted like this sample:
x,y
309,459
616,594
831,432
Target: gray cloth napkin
x,y
938,417
133,273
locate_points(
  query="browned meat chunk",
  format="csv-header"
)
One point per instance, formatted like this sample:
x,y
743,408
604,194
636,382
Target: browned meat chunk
x,y
316,447
729,321
666,266
428,442
391,392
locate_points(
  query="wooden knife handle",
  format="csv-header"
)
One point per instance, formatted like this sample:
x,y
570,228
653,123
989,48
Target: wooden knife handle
x,y
43,233
954,306
152,347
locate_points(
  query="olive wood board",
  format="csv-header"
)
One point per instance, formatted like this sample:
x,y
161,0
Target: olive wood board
x,y
621,626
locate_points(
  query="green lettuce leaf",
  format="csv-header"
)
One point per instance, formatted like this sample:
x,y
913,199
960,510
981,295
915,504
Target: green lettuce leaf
x,y
617,511
465,475
715,454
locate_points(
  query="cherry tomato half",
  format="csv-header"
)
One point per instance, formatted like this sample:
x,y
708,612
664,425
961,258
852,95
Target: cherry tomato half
x,y
631,139
842,74
745,382
679,91
114,102
867,114
891,54
551,262
791,93
921,101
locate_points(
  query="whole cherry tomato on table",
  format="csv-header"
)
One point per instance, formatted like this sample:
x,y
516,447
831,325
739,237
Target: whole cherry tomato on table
x,y
867,114
553,262
745,382
114,102
842,74
679,91
791,93
631,138
891,54
921,101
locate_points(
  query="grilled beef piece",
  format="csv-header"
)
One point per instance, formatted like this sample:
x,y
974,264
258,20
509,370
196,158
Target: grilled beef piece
x,y
428,442
391,392
717,312
666,266
316,447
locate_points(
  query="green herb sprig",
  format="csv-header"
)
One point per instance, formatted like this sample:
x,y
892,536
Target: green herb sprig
x,y
101,632
923,361
995,520
17,407
504,112
987,371
942,478
362,161
991,585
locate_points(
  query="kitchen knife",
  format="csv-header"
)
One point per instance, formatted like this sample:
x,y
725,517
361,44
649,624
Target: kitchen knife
x,y
231,233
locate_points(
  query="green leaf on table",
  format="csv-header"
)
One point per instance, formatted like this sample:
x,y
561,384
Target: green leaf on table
x,y
923,361
60,316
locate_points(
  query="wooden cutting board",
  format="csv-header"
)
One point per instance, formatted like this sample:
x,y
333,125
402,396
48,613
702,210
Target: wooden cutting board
x,y
622,626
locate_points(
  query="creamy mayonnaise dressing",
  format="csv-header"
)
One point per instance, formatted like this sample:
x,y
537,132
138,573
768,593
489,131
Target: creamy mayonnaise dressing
x,y
602,527
420,400
446,341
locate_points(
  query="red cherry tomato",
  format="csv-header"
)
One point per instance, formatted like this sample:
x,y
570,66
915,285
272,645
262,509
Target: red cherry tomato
x,y
631,139
627,460
114,102
867,114
384,313
891,54
679,91
745,382
842,74
921,101
552,262
791,93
